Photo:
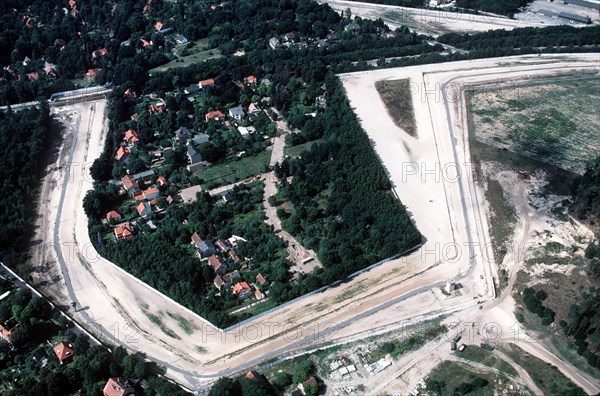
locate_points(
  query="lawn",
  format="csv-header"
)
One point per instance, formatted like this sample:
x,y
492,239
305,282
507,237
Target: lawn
x,y
477,354
234,169
188,56
295,151
450,378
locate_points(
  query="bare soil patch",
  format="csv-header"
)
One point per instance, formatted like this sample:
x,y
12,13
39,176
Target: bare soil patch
x,y
396,95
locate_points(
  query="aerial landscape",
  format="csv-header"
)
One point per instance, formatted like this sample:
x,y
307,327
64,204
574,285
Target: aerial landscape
x,y
300,197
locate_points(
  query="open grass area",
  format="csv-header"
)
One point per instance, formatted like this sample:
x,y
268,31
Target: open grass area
x,y
546,376
555,122
234,170
453,378
189,54
397,97
477,354
295,151
502,219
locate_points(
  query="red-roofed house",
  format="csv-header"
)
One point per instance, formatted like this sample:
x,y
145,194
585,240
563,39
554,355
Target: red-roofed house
x,y
6,330
310,381
261,279
121,153
32,76
251,80
162,181
258,294
253,108
131,136
124,231
113,215
91,74
218,265
99,52
130,184
158,26
242,290
214,115
63,351
145,43
196,239
151,193
144,209
206,83
118,387
234,256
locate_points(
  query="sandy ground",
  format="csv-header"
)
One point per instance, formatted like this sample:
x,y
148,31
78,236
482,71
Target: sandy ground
x,y
117,305
434,22
438,111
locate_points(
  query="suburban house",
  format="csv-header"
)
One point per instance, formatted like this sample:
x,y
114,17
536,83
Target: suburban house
x,y
218,266
310,381
226,279
251,80
194,158
121,153
64,352
99,52
144,209
227,197
113,215
261,279
170,200
118,387
183,134
246,130
151,193
206,249
223,245
7,329
233,255
200,138
91,74
206,83
130,185
181,39
124,231
131,137
218,282
162,181
236,113
39,357
214,115
258,294
253,108
274,43
196,239
145,176
191,89
352,27
242,290
323,43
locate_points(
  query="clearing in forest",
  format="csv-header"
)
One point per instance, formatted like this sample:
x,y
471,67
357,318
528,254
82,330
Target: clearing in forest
x,y
396,94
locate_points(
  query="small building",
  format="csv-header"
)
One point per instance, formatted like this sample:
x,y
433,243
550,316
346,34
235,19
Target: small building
x,y
124,231
575,18
206,83
452,346
122,152
217,264
99,52
194,159
216,115
251,80
309,382
183,134
191,89
274,43
113,215
261,279
119,387
206,249
223,245
131,137
144,209
181,39
242,290
253,108
200,138
39,357
130,185
352,27
227,197
64,352
7,329
323,43
234,257
196,239
450,287
236,113
258,294
162,181
151,193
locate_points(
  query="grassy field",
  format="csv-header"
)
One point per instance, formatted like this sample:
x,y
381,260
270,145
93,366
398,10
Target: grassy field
x,y
188,55
294,151
234,170
547,377
502,218
477,354
448,377
397,97
552,122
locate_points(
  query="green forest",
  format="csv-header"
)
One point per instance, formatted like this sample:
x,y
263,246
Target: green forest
x,y
24,140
